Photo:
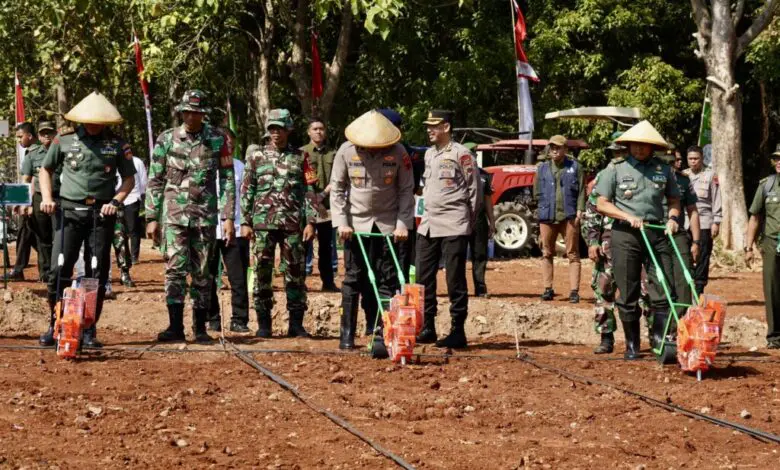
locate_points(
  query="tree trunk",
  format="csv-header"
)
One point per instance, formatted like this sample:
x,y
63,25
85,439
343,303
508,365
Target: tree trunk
x,y
333,72
298,72
173,98
62,100
763,144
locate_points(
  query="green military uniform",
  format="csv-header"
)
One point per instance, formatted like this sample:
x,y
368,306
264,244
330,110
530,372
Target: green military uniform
x,y
639,189
766,204
182,196
277,201
41,224
121,244
321,163
89,164
596,229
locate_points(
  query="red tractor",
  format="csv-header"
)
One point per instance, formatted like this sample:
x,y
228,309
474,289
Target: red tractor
x,y
517,228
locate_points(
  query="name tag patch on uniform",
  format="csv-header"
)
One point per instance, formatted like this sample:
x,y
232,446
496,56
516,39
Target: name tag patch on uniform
x,y
446,173
658,179
389,158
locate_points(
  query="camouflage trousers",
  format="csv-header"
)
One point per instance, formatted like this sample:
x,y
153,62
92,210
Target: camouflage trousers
x,y
291,263
121,243
604,289
188,250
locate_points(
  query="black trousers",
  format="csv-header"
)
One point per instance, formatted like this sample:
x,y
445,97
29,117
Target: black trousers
x,y
453,251
42,226
356,282
701,274
25,242
134,227
771,272
628,255
478,242
236,261
681,288
324,251
77,225
410,252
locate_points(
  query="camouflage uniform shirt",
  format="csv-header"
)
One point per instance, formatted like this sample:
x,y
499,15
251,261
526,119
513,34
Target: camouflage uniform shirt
x,y
275,191
182,188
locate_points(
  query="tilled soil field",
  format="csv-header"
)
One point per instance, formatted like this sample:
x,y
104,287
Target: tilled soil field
x,y
140,404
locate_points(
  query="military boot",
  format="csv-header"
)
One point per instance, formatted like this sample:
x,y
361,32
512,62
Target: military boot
x,y
660,317
199,327
428,333
127,281
378,347
349,314
631,332
175,330
89,338
47,338
264,324
607,344
457,337
295,327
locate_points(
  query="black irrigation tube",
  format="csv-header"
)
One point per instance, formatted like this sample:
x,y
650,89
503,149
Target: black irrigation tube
x,y
752,432
341,422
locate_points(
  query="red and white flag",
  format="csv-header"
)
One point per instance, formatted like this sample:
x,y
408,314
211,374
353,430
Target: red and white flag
x,y
19,99
524,69
139,66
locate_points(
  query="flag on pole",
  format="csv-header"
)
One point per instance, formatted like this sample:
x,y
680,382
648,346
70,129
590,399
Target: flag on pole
x,y
316,68
525,111
19,108
139,65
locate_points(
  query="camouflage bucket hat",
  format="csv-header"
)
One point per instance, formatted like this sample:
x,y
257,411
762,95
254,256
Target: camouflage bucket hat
x,y
279,117
193,101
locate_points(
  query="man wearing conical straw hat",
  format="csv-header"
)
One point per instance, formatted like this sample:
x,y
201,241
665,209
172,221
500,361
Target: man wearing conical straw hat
x,y
89,157
631,190
371,191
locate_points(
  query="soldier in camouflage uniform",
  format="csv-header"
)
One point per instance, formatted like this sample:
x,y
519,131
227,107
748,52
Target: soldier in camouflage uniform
x,y
277,202
182,196
597,232
121,244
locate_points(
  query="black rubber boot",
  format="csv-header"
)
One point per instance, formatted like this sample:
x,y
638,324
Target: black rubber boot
x,y
631,332
238,326
660,318
264,324
607,344
349,313
428,333
295,327
90,340
378,348
371,320
215,324
175,330
127,281
199,327
457,337
47,338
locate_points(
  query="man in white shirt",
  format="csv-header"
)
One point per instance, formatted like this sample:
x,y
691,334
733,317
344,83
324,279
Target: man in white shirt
x,y
235,256
133,205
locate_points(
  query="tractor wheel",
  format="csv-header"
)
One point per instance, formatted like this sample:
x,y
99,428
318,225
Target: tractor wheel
x,y
514,227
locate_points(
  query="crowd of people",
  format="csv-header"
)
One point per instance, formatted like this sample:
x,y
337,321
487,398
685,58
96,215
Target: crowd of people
x,y
207,209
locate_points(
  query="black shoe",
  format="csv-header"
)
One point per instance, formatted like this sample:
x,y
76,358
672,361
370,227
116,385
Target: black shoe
x,y
15,276
199,327
631,332
295,327
574,297
427,336
201,337
548,294
331,288
127,281
215,325
238,327
660,317
483,295
607,344
175,330
773,345
135,261
47,338
90,340
264,323
378,348
455,340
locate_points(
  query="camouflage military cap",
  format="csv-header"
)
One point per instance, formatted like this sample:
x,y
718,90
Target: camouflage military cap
x,y
194,101
279,117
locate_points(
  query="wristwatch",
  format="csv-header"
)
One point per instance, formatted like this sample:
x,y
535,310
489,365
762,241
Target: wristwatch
x,y
117,204
675,218
697,242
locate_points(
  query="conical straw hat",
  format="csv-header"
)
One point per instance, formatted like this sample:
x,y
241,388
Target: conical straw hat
x,y
94,109
372,130
644,133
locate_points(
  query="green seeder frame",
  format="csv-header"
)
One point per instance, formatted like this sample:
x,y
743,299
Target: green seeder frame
x,y
659,351
380,301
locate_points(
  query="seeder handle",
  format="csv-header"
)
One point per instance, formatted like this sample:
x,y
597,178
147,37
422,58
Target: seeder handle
x,y
688,277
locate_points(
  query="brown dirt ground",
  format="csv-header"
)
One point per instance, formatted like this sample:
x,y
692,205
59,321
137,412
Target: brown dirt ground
x,y
129,407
